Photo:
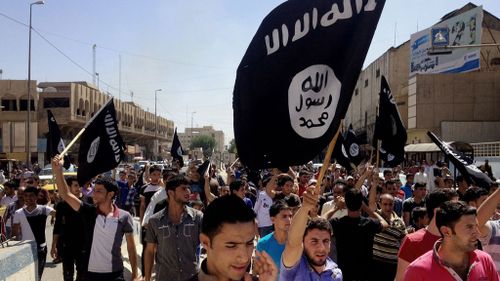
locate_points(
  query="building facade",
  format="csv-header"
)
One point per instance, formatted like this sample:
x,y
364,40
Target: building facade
x,y
190,133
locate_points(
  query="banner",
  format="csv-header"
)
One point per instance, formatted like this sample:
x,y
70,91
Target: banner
x,y
352,147
340,154
463,163
463,29
55,143
389,128
176,150
295,81
101,145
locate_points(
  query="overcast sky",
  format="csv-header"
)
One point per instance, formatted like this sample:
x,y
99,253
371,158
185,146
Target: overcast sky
x,y
189,49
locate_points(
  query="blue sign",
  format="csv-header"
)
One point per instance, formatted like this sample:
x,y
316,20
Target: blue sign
x,y
440,37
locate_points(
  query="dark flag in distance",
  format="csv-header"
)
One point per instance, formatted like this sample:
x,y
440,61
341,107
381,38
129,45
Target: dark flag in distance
x,y
55,143
295,81
464,164
352,147
389,128
340,154
101,145
176,150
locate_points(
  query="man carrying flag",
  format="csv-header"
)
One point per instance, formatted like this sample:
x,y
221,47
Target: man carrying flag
x,y
55,143
389,128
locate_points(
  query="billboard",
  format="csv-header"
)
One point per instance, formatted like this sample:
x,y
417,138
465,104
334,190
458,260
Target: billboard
x,y
463,29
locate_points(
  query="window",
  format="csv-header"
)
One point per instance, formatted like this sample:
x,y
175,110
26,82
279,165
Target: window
x,y
23,105
495,61
55,102
356,92
377,73
366,83
9,105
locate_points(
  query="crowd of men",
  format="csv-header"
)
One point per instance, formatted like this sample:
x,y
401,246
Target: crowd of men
x,y
416,223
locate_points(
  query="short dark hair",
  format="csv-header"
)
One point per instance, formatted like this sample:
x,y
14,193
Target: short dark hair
x,y
277,207
318,223
419,185
386,172
176,181
292,201
436,198
226,209
450,212
353,199
70,180
235,186
32,189
418,213
341,182
474,193
284,178
11,184
389,182
304,172
154,168
410,175
109,185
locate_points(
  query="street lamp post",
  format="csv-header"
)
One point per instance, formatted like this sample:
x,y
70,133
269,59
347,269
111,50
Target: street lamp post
x,y
156,127
191,141
28,117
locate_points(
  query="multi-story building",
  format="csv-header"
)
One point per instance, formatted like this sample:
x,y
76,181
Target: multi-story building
x,y
456,106
73,104
190,133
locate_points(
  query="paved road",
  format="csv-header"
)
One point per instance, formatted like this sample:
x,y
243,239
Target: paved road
x,y
53,272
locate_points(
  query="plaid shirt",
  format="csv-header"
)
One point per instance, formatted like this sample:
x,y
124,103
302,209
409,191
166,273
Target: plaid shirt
x,y
132,192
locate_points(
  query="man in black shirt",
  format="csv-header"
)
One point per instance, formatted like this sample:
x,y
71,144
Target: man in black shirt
x,y
68,230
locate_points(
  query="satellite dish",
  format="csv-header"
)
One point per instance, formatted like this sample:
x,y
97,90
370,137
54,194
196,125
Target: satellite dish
x,y
50,90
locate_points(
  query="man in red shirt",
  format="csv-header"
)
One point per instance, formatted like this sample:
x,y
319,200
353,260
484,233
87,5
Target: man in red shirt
x,y
454,256
421,241
304,177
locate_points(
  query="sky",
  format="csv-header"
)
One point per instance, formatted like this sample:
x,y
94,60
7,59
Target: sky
x,y
188,49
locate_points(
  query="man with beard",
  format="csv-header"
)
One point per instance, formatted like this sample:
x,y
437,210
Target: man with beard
x,y
173,234
454,256
306,252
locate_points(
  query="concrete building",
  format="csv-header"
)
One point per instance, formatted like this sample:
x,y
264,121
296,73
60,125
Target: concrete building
x,y
461,107
73,104
190,133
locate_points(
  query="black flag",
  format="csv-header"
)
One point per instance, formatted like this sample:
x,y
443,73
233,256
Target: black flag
x,y
101,145
176,150
352,147
295,82
55,143
463,163
389,128
340,154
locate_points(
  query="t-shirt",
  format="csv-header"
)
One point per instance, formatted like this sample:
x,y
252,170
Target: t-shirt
x,y
69,223
407,190
148,191
302,271
386,243
6,200
33,223
410,204
103,237
269,244
248,202
123,186
416,244
491,242
261,208
354,240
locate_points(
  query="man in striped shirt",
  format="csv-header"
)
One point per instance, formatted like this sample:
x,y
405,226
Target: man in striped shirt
x,y
386,243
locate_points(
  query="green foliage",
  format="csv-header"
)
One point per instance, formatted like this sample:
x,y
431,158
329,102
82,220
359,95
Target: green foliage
x,y
232,147
207,143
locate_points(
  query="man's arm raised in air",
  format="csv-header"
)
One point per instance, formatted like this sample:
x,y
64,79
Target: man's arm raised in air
x,y
63,189
294,247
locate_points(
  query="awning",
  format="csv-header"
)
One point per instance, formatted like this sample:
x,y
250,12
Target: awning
x,y
422,147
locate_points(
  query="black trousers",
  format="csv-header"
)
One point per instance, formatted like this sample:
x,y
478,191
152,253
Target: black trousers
x,y
42,258
72,256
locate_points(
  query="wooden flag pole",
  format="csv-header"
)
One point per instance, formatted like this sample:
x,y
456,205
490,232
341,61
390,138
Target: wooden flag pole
x,y
326,161
66,149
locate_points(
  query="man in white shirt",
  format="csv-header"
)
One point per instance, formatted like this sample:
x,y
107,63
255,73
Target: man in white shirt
x,y
338,193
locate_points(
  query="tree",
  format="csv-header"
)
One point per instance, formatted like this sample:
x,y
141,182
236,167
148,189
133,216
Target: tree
x,y
207,143
232,147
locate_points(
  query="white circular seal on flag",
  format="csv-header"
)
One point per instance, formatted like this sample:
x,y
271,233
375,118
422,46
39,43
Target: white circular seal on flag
x,y
313,96
354,150
390,157
94,146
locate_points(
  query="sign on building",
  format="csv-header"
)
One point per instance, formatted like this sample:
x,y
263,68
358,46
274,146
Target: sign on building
x,y
460,30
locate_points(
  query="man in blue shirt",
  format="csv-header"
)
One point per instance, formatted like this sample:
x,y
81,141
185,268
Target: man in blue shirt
x,y
306,252
274,242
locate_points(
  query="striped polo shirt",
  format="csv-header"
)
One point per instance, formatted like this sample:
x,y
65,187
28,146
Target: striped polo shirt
x,y
386,243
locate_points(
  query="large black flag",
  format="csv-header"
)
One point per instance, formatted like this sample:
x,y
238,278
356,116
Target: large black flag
x,y
101,145
176,150
464,164
389,128
352,147
295,82
55,143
